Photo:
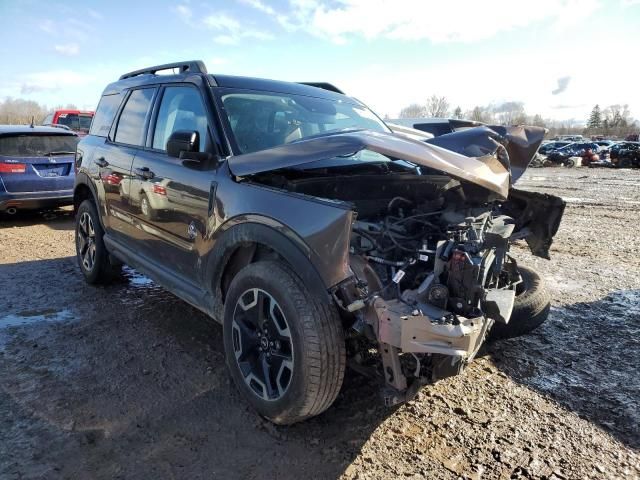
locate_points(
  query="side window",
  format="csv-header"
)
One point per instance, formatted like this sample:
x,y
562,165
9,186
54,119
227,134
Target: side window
x,y
181,109
130,129
70,120
103,118
48,119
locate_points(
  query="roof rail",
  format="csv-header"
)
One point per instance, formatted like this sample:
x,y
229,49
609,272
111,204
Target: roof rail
x,y
191,66
324,86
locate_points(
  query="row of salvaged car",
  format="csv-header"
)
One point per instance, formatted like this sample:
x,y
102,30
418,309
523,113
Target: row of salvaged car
x,y
596,153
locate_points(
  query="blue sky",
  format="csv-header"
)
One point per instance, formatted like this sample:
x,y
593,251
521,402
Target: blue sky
x,y
386,53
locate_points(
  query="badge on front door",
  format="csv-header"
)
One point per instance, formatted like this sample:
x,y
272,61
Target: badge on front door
x,y
191,231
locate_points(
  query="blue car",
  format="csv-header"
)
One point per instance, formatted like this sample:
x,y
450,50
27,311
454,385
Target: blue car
x,y
36,167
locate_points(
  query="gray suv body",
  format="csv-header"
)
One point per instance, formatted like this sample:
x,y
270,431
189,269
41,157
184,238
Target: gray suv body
x,y
315,233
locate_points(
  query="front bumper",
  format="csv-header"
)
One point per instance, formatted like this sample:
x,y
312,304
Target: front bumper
x,y
35,200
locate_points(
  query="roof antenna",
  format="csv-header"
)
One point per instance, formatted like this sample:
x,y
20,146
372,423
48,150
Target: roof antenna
x,y
31,122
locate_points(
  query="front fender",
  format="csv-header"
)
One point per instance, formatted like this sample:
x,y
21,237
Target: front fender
x,y
262,231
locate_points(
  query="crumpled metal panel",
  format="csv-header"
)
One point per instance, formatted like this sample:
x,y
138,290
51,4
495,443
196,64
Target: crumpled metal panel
x,y
488,170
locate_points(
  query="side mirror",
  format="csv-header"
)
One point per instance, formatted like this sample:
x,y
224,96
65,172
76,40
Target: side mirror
x,y
183,141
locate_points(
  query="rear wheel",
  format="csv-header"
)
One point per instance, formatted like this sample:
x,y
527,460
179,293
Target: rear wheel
x,y
284,348
92,255
530,310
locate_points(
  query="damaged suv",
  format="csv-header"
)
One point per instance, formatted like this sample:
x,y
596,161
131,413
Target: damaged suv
x,y
317,235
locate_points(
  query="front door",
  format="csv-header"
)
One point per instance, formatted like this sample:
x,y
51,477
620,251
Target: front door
x,y
170,196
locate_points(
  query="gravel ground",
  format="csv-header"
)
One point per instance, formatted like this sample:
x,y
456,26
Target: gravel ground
x,y
127,381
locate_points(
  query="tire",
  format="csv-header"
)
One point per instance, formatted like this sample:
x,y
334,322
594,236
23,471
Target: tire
x,y
92,255
530,310
146,208
624,163
306,331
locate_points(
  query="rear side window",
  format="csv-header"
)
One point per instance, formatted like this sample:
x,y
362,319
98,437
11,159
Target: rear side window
x,y
105,113
181,109
130,129
37,145
75,121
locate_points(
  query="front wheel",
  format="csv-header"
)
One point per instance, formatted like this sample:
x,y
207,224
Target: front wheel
x,y
147,210
285,348
530,309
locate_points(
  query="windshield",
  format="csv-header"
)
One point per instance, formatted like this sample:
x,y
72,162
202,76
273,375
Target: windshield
x,y
37,145
264,120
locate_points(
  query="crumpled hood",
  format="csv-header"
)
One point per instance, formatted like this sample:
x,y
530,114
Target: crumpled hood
x,y
521,144
488,170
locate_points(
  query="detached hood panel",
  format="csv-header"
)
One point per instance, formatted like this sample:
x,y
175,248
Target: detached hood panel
x,y
485,170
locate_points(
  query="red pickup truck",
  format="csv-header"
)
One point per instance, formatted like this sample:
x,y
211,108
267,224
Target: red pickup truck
x,y
76,120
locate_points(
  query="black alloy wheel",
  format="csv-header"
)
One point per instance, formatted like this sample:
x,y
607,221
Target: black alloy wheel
x,y
86,241
262,344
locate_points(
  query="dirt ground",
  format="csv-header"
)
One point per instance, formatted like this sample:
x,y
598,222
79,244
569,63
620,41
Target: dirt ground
x,y
127,381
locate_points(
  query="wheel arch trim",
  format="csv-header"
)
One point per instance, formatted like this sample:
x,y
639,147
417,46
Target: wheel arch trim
x,y
265,232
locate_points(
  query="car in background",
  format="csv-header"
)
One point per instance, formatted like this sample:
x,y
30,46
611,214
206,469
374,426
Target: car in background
x,y
545,148
625,154
568,138
563,154
77,120
36,167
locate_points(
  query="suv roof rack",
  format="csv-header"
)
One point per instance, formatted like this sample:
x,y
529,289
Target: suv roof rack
x,y
191,66
324,86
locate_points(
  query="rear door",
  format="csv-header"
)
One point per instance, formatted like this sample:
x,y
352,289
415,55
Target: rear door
x,y
170,196
114,159
37,162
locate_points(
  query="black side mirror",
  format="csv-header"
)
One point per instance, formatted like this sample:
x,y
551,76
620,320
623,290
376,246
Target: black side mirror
x,y
183,141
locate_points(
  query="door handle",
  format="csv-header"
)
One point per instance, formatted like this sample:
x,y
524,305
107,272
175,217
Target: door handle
x,y
101,162
144,172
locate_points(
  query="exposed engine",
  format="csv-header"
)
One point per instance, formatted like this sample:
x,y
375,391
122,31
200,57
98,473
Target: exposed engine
x,y
430,283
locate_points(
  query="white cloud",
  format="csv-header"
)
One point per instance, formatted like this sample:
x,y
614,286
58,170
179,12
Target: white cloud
x,y
67,49
47,26
259,5
53,80
94,14
221,21
230,31
184,12
414,20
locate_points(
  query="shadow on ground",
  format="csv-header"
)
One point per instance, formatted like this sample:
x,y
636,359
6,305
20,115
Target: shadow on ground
x,y
586,358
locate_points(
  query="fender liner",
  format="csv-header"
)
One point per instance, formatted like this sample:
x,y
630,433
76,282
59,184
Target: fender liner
x,y
251,232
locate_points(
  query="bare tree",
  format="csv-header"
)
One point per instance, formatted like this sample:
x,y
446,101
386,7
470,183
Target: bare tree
x,y
18,111
437,106
480,114
413,111
538,121
457,113
510,113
